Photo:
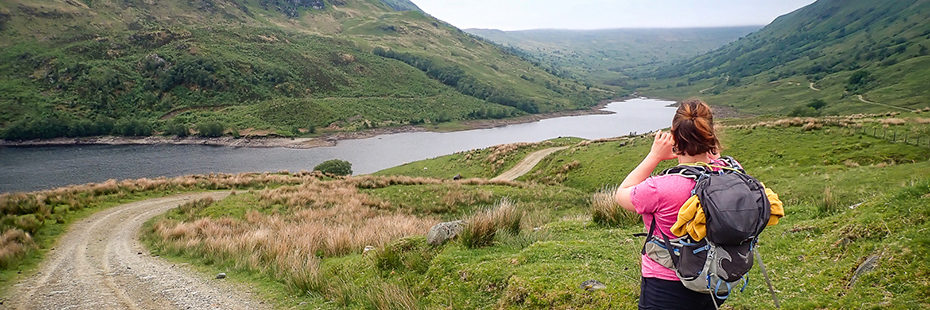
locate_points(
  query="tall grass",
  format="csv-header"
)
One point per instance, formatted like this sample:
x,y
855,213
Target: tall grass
x,y
27,215
606,211
481,227
324,219
14,244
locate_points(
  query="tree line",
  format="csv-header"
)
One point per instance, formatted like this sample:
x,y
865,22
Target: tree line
x,y
456,78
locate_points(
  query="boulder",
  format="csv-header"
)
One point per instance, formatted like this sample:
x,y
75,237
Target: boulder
x,y
442,232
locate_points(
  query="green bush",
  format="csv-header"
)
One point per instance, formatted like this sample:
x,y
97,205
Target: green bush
x,y
817,104
210,129
177,129
335,167
805,111
132,127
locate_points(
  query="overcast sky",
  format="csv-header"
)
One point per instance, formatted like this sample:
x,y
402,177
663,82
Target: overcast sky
x,y
600,14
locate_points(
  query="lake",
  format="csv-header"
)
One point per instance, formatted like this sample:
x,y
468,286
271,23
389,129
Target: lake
x,y
35,168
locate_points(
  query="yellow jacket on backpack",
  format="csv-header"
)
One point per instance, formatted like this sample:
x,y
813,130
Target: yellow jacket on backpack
x,y
691,219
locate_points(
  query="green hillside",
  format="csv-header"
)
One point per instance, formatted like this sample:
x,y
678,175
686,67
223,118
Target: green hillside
x,y
831,50
610,56
79,68
854,235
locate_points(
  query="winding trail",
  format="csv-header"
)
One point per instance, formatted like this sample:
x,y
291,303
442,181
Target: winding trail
x,y
881,104
813,88
100,264
526,164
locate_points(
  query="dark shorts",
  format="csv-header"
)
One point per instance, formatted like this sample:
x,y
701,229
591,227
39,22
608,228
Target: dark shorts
x,y
664,294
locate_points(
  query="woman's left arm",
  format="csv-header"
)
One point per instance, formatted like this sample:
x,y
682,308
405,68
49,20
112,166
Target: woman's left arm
x,y
661,150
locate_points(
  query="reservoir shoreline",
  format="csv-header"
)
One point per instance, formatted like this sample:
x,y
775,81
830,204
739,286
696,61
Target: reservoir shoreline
x,y
324,140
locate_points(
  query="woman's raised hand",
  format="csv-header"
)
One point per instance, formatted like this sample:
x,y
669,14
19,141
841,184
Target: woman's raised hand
x,y
662,146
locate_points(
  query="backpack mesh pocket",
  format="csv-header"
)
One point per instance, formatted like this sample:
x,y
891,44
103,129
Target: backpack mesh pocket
x,y
692,258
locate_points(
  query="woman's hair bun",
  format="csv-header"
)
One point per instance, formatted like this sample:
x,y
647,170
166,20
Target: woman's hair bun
x,y
693,128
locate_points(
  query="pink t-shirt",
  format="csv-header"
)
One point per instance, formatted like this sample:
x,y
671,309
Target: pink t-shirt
x,y
661,197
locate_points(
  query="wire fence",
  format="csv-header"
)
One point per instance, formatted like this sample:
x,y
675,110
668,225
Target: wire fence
x,y
895,135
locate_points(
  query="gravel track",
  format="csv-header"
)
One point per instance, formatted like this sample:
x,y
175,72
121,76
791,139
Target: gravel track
x,y
100,264
526,164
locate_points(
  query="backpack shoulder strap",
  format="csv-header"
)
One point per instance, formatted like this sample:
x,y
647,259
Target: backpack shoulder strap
x,y
732,163
685,171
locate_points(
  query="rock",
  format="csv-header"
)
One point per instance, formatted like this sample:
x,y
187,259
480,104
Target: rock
x,y
592,285
864,268
368,248
457,177
442,232
221,275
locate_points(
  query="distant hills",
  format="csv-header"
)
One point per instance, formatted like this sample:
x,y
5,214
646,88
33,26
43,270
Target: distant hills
x,y
611,56
830,57
254,67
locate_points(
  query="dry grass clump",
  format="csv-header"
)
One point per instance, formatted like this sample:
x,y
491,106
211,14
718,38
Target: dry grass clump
x,y
14,244
892,121
325,219
456,195
481,227
372,182
606,211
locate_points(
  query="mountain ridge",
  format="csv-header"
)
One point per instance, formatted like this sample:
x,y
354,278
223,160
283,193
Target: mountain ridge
x,y
79,68
825,43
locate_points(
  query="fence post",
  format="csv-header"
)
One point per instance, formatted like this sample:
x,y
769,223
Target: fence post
x,y
894,135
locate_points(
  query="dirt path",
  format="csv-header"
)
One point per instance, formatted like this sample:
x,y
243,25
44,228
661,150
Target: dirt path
x,y
813,88
526,164
100,264
881,104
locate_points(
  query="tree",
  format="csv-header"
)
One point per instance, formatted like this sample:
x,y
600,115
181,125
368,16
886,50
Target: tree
x,y
817,104
335,167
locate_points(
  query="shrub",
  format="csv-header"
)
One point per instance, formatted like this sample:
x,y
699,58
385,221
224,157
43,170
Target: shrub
x,y
335,167
177,129
805,111
132,127
210,129
481,228
606,211
817,104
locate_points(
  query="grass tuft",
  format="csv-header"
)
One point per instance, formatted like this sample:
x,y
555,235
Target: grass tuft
x,y
481,228
14,244
605,210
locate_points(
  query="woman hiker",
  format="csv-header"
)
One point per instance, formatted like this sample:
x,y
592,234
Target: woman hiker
x,y
691,140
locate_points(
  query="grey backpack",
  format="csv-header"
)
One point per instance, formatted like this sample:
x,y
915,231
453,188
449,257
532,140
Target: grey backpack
x,y
736,209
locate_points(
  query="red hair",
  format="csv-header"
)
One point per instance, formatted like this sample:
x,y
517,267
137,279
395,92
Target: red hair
x,y
693,128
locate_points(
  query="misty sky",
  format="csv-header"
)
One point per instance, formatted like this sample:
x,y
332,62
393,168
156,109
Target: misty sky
x,y
599,14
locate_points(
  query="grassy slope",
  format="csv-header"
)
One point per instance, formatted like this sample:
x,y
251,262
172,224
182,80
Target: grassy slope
x,y
481,163
248,65
610,56
849,198
769,71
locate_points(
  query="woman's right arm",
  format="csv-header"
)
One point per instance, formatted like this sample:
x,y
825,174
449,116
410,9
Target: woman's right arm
x,y
661,150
